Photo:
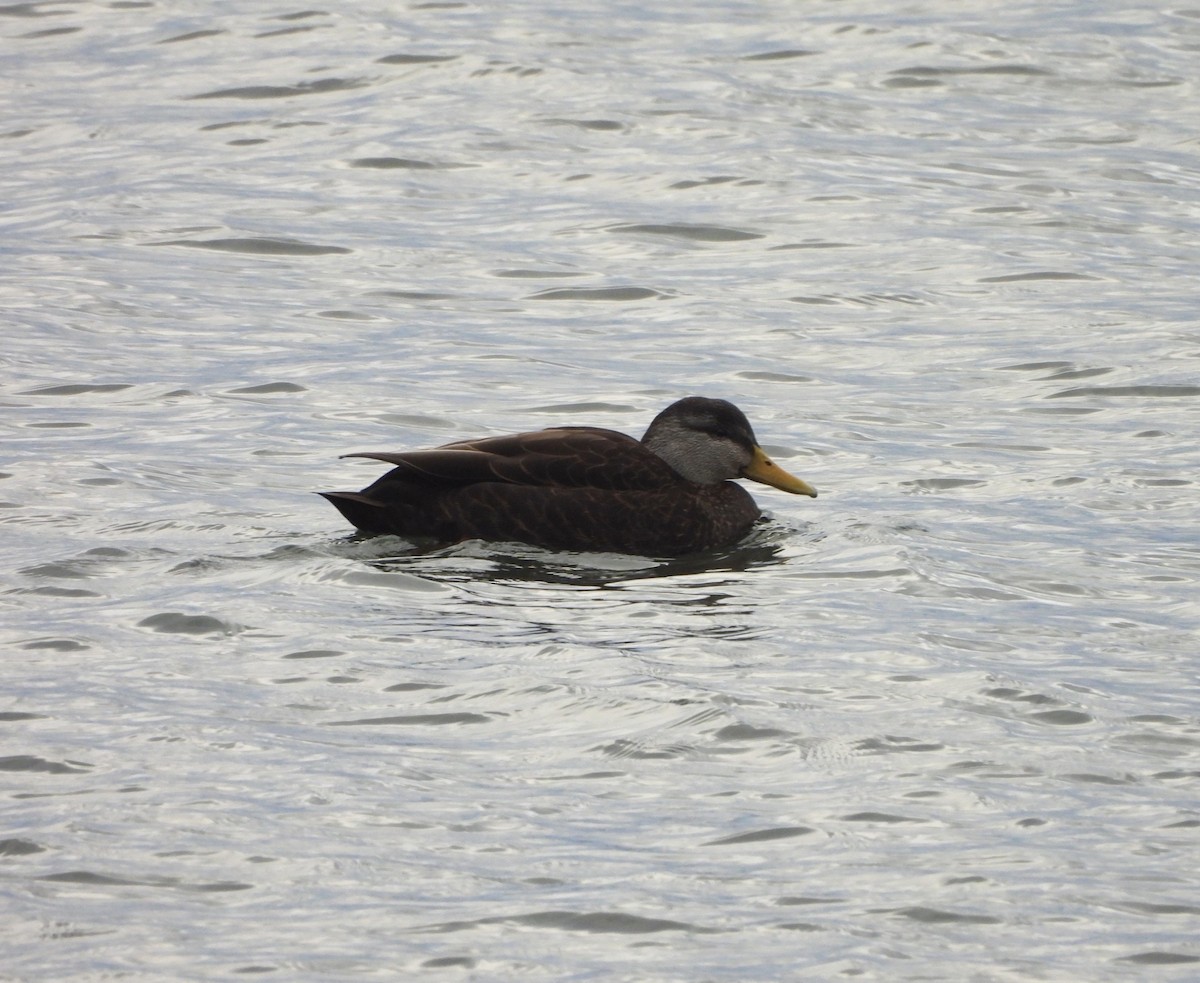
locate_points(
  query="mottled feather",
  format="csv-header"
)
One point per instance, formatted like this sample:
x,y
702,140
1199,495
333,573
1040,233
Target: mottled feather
x,y
572,488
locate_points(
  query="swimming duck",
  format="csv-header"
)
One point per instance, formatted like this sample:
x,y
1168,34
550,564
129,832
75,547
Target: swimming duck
x,y
581,488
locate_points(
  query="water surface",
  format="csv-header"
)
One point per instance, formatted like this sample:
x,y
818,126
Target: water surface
x,y
939,724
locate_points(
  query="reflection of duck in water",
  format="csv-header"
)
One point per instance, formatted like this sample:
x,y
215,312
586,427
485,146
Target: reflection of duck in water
x,y
581,488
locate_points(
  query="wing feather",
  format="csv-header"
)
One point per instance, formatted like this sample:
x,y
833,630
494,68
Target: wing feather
x,y
574,457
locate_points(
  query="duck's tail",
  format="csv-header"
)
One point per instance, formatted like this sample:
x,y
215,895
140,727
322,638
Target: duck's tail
x,y
363,512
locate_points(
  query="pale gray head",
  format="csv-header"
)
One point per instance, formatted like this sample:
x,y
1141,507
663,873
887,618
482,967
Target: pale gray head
x,y
704,440
710,440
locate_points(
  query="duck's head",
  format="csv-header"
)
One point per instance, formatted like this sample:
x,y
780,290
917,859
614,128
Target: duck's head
x,y
710,440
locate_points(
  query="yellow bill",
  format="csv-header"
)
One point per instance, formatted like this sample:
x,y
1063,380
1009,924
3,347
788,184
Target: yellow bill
x,y
763,469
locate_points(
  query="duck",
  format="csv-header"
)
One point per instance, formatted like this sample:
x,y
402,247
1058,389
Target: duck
x,y
584,489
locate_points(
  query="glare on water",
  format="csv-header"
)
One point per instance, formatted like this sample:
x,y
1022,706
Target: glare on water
x,y
939,724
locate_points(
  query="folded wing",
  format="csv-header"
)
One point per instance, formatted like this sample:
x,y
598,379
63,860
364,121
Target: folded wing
x,y
563,457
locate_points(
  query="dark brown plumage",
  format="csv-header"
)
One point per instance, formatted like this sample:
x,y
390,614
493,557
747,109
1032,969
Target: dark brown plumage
x,y
580,488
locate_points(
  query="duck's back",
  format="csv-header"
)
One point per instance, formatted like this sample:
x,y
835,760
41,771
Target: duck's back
x,y
575,488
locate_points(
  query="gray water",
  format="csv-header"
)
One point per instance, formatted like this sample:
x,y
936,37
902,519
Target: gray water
x,y
942,723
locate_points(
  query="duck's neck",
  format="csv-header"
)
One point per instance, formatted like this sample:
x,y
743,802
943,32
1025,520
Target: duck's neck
x,y
688,452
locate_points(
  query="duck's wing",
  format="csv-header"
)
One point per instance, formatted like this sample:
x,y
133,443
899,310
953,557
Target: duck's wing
x,y
571,457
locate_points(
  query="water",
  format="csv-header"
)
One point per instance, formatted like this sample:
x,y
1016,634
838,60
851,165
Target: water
x,y
939,724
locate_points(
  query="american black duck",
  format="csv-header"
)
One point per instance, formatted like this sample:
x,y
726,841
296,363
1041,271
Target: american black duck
x,y
581,488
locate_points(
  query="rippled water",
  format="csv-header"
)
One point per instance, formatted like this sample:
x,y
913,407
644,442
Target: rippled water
x,y
942,723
